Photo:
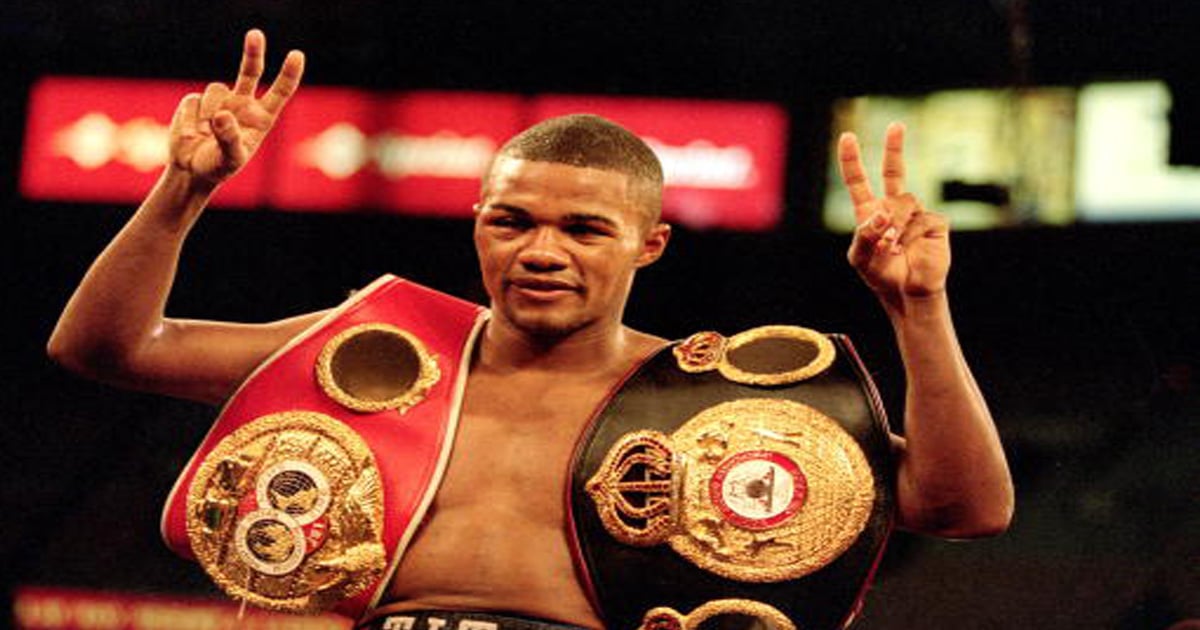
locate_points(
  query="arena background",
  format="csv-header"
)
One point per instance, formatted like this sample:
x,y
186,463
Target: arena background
x,y
1083,336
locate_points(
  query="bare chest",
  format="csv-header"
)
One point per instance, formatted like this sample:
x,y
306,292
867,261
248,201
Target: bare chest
x,y
516,438
495,537
501,504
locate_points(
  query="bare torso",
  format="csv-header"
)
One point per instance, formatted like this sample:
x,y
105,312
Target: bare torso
x,y
496,536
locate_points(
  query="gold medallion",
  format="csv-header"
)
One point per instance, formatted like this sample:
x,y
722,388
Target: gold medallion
x,y
375,367
286,513
774,490
755,490
765,356
724,613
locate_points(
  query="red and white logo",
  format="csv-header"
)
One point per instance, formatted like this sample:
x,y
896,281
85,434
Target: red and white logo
x,y
758,489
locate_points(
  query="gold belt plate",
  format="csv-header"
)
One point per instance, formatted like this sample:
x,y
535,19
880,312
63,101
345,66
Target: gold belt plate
x,y
754,490
286,513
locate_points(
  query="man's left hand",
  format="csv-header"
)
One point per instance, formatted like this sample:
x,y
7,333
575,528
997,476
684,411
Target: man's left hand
x,y
900,249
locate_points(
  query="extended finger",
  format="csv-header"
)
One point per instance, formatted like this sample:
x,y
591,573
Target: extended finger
x,y
286,83
215,95
854,176
893,160
251,70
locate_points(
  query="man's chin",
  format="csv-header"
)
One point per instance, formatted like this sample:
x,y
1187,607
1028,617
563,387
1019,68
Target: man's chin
x,y
545,326
548,331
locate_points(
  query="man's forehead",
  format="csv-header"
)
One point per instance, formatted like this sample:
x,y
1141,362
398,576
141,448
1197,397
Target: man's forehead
x,y
511,175
510,172
521,180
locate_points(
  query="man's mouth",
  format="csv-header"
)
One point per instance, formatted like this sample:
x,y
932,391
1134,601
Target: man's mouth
x,y
542,288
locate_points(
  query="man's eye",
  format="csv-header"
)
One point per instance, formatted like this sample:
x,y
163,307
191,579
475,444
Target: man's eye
x,y
585,229
508,221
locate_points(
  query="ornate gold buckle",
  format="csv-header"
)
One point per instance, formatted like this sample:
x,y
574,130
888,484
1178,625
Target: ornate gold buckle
x,y
755,490
286,513
633,489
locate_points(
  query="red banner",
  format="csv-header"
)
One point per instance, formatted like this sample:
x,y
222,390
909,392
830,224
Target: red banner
x,y
105,140
335,149
420,152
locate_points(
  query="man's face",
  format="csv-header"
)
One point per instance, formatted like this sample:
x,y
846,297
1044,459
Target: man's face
x,y
558,245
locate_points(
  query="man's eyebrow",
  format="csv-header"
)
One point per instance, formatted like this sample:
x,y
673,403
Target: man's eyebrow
x,y
507,208
585,217
574,217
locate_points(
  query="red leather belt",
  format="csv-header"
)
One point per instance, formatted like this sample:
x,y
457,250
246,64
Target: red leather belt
x,y
315,476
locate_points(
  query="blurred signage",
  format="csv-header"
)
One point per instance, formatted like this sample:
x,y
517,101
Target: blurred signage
x,y
105,140
420,152
984,158
335,149
1047,155
42,608
1123,163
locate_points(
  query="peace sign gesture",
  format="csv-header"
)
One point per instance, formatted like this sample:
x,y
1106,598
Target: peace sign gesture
x,y
214,134
899,248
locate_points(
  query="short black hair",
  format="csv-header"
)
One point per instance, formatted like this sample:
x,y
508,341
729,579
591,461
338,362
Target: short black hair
x,y
590,141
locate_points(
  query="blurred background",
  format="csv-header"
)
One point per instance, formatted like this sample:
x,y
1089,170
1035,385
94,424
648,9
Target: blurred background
x,y
1063,138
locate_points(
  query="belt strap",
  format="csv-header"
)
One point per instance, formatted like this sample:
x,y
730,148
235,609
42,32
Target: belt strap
x,y
460,620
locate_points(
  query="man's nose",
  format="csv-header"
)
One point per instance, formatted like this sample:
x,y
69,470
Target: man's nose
x,y
543,251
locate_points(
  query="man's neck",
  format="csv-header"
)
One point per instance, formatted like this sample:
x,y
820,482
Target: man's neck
x,y
593,349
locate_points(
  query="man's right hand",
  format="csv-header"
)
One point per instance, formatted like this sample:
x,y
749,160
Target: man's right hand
x,y
214,134
114,328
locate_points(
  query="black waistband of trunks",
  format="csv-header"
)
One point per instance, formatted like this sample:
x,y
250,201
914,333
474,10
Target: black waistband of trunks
x,y
460,620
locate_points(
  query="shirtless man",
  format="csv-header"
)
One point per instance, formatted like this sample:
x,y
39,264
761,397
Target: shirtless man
x,y
559,244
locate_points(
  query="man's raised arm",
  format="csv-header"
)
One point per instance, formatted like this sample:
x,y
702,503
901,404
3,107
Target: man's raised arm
x,y
953,478
113,328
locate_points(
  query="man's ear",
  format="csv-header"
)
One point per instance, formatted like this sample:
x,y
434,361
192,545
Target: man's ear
x,y
654,244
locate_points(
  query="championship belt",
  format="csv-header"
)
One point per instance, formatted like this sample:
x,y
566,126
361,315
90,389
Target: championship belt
x,y
736,481
319,469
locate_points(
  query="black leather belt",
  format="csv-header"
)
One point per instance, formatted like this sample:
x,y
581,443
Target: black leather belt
x,y
734,478
460,620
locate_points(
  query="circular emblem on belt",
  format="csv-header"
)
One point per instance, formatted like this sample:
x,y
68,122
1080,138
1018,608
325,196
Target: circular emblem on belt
x,y
764,356
295,487
374,367
270,542
773,490
758,489
755,490
286,513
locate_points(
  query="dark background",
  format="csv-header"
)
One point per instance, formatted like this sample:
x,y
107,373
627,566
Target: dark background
x,y
1084,337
